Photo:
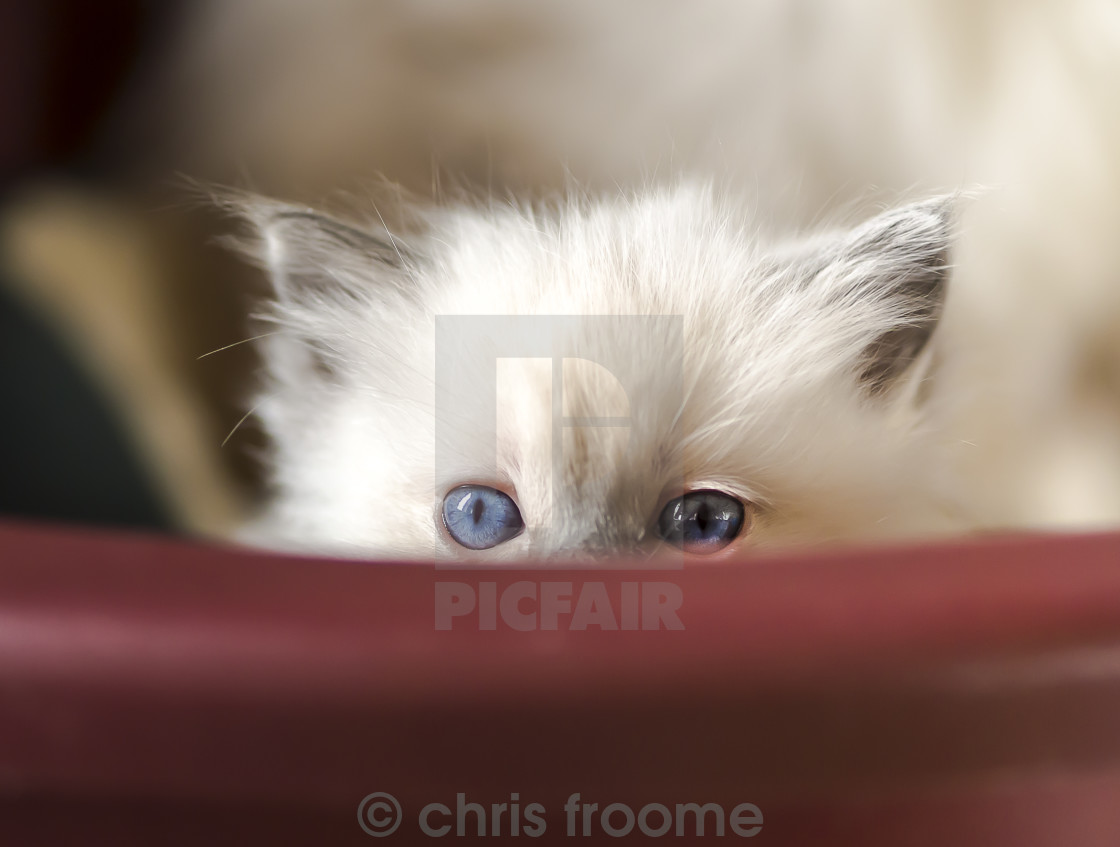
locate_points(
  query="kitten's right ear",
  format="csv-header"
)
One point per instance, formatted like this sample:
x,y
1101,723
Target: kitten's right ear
x,y
312,258
323,274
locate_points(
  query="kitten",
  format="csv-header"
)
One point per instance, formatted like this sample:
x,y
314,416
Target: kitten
x,y
690,386
810,107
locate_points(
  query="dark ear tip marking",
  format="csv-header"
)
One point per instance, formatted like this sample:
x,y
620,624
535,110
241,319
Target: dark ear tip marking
x,y
919,238
889,357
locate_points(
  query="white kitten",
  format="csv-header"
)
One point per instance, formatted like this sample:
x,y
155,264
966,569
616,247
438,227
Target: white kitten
x,y
795,398
809,107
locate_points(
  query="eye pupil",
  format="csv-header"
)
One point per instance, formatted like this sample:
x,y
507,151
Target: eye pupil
x,y
702,517
701,521
479,517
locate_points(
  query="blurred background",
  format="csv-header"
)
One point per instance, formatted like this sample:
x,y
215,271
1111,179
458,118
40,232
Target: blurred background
x,y
107,416
115,293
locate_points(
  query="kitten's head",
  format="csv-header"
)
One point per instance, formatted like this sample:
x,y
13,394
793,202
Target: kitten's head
x,y
638,375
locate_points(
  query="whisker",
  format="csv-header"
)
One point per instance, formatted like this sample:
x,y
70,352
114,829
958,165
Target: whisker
x,y
392,240
244,418
236,343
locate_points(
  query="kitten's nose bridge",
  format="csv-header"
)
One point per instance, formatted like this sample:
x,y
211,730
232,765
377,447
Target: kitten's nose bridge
x,y
608,537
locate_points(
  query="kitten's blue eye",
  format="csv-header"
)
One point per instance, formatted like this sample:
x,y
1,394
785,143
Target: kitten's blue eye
x,y
480,517
701,521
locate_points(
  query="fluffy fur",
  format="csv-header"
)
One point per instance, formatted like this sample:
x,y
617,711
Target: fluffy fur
x,y
801,389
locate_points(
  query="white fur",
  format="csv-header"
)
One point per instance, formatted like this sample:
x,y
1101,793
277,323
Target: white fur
x,y
771,408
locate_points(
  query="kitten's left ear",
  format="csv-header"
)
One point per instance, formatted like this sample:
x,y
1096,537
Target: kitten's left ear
x,y
892,273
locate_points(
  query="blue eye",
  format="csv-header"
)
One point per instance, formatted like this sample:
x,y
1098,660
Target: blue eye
x,y
479,517
701,521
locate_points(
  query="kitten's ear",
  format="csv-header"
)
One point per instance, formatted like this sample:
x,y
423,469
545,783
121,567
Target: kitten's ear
x,y
892,272
312,258
324,274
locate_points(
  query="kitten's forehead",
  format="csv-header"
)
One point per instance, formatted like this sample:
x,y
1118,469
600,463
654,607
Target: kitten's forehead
x,y
652,255
534,384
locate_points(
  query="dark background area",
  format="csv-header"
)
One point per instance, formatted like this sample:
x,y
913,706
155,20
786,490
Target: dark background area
x,y
65,69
